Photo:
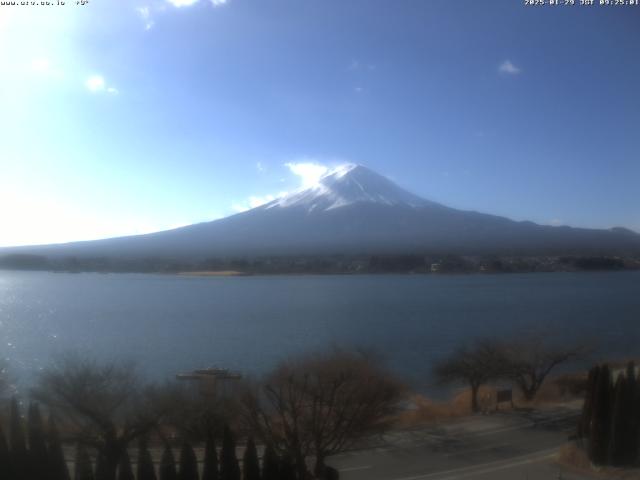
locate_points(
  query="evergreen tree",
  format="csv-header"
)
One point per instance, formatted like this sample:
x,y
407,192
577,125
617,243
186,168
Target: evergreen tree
x,y
601,418
587,408
5,467
57,464
633,411
210,470
619,421
38,458
101,467
250,464
16,432
636,423
188,463
125,471
83,470
168,465
635,431
229,468
287,471
145,470
270,464
17,442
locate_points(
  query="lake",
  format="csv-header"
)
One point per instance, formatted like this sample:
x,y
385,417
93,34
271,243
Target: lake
x,y
169,323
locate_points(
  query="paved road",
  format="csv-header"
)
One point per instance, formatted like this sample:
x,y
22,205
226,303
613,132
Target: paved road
x,y
500,446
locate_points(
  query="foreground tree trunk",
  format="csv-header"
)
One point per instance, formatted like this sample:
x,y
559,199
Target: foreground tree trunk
x,y
210,468
601,421
57,464
529,391
145,469
83,468
475,407
250,463
108,460
320,467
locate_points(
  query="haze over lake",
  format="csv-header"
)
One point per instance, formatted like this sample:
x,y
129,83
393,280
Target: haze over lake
x,y
168,323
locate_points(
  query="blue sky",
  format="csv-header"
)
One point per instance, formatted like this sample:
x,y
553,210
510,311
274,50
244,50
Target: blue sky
x,y
122,117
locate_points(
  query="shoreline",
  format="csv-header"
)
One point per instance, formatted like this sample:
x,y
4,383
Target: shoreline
x,y
238,273
211,273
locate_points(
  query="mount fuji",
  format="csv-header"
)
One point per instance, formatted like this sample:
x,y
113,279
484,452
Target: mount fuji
x,y
352,210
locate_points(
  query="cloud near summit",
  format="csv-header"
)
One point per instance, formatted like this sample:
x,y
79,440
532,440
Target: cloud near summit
x,y
308,172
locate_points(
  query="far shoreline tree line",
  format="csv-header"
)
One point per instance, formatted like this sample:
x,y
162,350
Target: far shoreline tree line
x,y
426,263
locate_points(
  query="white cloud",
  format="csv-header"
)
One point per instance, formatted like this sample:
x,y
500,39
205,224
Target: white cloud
x,y
41,65
144,12
145,15
255,201
356,65
509,68
309,172
45,68
556,222
183,3
54,221
188,3
152,7
95,83
261,168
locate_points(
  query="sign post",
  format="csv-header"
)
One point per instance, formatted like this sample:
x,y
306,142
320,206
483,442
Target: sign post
x,y
504,396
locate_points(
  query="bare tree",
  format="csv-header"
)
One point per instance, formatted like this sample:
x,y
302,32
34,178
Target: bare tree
x,y
101,403
529,360
319,405
474,365
193,414
5,379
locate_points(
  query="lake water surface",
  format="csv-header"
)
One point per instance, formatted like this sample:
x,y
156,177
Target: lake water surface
x,y
168,323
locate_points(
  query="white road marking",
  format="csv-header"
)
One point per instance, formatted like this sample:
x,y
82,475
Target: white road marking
x,y
483,468
502,467
476,450
352,469
520,427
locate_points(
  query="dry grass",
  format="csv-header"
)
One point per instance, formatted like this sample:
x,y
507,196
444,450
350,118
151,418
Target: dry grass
x,y
427,411
555,391
575,458
560,390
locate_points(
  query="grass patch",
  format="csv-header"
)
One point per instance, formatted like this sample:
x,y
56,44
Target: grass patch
x,y
575,458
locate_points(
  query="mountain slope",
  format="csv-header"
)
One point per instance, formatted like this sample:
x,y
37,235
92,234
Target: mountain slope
x,y
353,210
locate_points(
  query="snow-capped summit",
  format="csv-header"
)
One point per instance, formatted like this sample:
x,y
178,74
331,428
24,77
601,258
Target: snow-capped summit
x,y
347,185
